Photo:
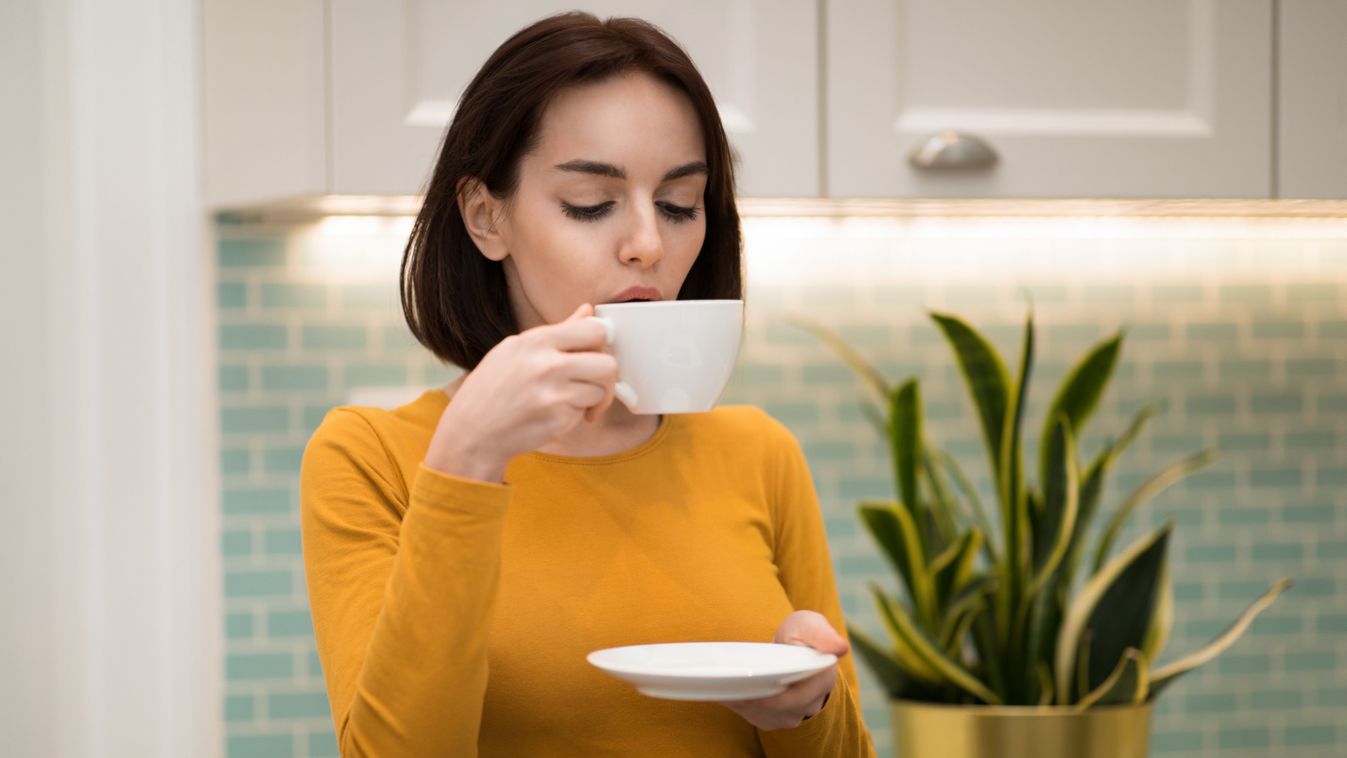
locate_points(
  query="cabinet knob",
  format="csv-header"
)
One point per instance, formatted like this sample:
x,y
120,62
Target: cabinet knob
x,y
952,150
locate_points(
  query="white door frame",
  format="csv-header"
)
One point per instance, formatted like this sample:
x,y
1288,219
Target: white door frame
x,y
108,462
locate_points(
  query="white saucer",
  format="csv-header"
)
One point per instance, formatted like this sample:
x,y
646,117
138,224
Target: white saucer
x,y
713,671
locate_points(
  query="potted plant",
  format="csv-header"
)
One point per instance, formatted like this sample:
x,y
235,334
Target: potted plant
x,y
1019,639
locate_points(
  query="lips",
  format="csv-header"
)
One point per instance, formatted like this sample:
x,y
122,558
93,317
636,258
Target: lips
x,y
636,293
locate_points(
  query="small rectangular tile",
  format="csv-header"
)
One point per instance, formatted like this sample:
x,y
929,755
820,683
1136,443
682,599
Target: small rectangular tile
x,y
1311,661
323,744
239,708
289,624
282,460
1278,402
239,626
245,666
292,295
1309,513
255,419
235,461
334,337
1310,735
281,541
259,746
251,254
294,378
1277,551
253,337
240,583
1209,405
231,295
255,501
1276,476
297,705
1279,330
236,542
1211,332
1243,738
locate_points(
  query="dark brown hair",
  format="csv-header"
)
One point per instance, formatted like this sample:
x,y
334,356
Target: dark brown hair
x,y
454,298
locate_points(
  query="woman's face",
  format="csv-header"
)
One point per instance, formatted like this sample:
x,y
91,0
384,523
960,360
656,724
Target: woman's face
x,y
610,198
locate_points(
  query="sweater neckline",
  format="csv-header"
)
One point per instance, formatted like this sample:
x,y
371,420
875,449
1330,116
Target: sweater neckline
x,y
666,423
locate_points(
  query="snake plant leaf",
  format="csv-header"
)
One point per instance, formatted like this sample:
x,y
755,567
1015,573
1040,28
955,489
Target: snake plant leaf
x,y
1045,618
953,572
939,462
1057,523
946,512
863,369
1165,675
1092,486
985,376
1116,607
1045,693
882,662
905,656
905,437
956,626
971,595
952,672
1162,620
1127,685
1143,493
1011,474
1079,393
876,419
893,527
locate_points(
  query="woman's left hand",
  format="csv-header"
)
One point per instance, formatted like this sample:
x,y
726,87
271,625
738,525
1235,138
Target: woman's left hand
x,y
806,697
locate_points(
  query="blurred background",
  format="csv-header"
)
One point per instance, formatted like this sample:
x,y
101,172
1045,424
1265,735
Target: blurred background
x,y
208,200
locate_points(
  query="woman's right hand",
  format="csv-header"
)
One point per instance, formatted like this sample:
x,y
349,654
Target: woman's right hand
x,y
528,390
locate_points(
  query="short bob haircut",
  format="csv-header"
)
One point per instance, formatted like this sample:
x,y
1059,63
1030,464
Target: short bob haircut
x,y
455,299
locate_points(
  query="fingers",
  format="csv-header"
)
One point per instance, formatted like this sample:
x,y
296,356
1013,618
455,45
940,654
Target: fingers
x,y
811,629
788,709
574,334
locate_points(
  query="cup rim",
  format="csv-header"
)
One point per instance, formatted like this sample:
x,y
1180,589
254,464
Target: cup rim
x,y
653,303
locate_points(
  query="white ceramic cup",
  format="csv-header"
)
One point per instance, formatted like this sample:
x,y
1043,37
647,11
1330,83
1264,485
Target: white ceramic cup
x,y
673,356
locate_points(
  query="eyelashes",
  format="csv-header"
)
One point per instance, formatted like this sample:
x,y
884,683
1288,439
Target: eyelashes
x,y
674,213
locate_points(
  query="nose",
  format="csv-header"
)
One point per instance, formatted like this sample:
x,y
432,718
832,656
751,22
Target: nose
x,y
643,244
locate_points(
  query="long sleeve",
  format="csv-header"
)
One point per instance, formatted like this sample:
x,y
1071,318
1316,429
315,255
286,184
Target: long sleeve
x,y
402,585
802,557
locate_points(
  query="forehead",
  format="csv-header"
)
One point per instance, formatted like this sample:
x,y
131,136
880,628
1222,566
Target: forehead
x,y
626,120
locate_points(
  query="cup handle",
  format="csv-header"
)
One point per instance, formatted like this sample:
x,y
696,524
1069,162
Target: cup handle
x,y
624,391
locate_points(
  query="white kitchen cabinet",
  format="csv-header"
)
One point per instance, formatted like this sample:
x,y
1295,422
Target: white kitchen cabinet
x,y
352,97
264,101
1312,99
399,67
1076,98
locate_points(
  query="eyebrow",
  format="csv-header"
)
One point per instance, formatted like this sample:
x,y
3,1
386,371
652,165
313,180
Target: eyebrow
x,y
613,172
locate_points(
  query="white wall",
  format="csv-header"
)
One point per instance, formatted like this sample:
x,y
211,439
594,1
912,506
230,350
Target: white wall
x,y
110,643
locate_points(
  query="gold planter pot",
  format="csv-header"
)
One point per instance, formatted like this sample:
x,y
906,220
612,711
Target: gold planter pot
x,y
933,730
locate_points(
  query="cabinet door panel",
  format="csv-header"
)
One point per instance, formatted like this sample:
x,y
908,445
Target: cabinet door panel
x,y
399,67
1078,98
1312,94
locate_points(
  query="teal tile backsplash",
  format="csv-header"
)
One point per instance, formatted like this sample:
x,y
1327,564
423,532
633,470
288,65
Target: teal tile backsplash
x,y
1237,328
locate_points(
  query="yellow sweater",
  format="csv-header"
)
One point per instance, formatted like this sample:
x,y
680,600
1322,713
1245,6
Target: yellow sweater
x,y
453,616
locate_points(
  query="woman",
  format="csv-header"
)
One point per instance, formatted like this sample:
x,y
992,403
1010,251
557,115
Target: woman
x,y
466,551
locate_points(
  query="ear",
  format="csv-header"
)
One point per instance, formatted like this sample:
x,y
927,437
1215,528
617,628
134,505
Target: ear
x,y
481,211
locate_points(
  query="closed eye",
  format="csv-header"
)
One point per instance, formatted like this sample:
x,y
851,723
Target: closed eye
x,y
586,213
675,213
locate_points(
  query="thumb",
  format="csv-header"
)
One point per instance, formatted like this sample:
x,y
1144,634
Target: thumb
x,y
811,629
584,311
